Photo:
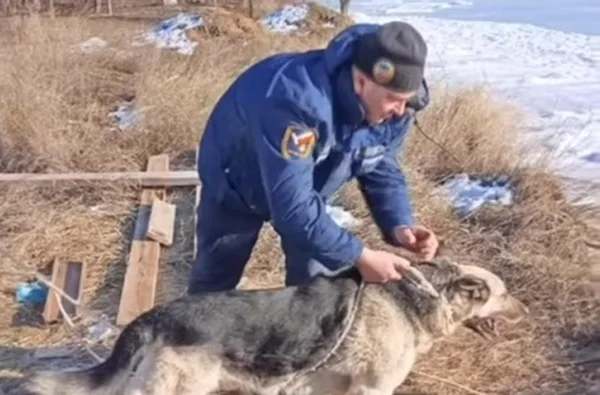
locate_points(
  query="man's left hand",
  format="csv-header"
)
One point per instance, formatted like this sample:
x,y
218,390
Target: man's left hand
x,y
417,239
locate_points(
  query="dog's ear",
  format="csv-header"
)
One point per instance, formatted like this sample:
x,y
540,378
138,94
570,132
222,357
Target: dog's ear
x,y
472,287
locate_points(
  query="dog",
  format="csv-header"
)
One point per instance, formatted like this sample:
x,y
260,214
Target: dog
x,y
334,335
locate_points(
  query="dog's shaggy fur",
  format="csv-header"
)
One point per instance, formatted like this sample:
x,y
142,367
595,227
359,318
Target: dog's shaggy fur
x,y
268,341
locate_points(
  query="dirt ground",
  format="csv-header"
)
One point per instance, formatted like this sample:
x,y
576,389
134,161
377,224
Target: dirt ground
x,y
54,103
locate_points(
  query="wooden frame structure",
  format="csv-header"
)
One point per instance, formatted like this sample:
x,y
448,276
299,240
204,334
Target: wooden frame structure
x,y
154,231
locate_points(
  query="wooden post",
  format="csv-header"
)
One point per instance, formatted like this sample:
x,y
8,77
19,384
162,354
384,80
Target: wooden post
x,y
249,4
344,7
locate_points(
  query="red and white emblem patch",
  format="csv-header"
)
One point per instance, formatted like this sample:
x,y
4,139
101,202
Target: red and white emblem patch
x,y
298,142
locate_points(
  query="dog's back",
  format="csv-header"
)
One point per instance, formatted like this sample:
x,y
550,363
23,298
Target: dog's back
x,y
264,333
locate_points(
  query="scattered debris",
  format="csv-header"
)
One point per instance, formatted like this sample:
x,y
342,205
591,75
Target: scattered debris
x,y
32,292
125,116
468,193
101,331
171,33
92,45
342,217
285,19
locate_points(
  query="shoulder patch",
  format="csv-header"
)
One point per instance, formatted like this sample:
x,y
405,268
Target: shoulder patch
x,y
298,142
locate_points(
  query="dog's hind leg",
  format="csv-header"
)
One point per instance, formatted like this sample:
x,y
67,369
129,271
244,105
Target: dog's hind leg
x,y
200,375
177,372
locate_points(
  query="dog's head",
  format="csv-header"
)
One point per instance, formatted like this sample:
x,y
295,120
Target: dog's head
x,y
476,297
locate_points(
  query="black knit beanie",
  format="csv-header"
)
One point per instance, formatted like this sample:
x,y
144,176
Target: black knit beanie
x,y
393,57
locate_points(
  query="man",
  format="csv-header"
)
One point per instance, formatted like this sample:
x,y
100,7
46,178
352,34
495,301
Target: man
x,y
288,134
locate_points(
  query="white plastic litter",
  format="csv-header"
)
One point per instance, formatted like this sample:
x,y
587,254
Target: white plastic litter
x,y
170,33
101,331
468,194
92,45
125,116
343,218
284,20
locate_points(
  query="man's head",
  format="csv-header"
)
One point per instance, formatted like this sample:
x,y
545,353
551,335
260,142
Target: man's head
x,y
388,69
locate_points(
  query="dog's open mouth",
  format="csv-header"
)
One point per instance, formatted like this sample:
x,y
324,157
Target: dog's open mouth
x,y
484,327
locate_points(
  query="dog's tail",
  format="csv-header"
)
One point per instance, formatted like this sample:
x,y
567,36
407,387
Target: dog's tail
x,y
104,378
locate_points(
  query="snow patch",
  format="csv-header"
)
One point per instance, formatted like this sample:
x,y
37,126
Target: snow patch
x,y
468,194
171,33
285,19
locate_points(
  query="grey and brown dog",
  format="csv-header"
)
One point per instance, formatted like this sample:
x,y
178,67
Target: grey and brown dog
x,y
333,335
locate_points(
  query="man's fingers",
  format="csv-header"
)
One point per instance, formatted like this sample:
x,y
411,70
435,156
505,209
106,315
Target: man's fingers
x,y
429,253
401,266
395,275
408,237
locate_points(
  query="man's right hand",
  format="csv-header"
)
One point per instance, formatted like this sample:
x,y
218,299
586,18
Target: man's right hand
x,y
377,266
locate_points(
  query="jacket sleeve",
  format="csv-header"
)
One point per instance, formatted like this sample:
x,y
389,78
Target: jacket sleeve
x,y
386,191
297,211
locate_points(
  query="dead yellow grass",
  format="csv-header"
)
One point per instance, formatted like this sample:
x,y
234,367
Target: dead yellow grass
x,y
54,106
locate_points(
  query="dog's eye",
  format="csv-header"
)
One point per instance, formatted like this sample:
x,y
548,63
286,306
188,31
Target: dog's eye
x,y
473,288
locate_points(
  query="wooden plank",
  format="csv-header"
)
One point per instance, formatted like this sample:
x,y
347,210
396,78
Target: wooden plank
x,y
141,277
59,274
74,286
162,222
68,277
141,280
150,179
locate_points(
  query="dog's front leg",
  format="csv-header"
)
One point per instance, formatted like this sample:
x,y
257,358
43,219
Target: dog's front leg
x,y
364,390
380,386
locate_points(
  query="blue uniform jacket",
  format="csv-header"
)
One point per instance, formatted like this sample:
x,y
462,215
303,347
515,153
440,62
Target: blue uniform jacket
x,y
243,162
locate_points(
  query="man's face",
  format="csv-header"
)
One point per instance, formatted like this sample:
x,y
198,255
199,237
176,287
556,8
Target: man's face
x,y
380,103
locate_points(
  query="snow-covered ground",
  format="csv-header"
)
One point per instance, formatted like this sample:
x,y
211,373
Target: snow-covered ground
x,y
541,54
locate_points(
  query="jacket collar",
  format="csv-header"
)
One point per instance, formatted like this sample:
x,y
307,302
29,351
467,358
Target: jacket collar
x,y
348,105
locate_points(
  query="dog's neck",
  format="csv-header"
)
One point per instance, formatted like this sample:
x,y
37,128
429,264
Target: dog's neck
x,y
433,317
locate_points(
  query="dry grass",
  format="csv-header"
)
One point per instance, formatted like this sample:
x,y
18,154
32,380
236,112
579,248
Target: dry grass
x,y
54,106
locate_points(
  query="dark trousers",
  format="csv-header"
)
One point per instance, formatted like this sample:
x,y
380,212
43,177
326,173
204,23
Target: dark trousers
x,y
225,240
